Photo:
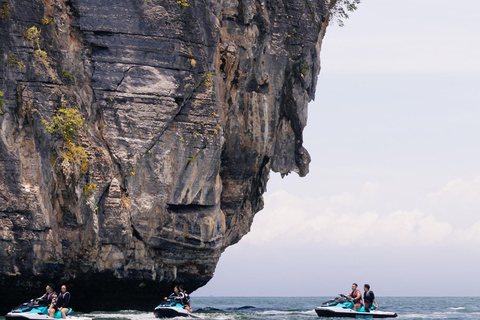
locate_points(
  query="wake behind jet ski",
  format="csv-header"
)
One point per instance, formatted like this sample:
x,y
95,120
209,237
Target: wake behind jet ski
x,y
342,307
33,310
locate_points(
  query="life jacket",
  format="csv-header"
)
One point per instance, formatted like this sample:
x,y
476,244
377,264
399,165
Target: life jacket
x,y
50,296
368,297
63,299
186,299
354,295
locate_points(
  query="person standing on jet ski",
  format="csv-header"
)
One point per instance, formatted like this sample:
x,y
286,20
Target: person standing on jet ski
x,y
369,298
356,296
51,297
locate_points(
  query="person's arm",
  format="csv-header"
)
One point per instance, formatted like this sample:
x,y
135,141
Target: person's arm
x,y
40,298
180,297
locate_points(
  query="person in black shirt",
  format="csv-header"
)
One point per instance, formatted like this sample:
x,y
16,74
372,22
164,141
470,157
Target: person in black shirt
x,y
369,298
63,301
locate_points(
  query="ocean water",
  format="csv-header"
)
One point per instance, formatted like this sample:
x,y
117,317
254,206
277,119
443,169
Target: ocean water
x,y
302,308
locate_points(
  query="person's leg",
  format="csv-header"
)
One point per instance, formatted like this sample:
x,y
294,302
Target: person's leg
x,y
64,312
368,306
51,312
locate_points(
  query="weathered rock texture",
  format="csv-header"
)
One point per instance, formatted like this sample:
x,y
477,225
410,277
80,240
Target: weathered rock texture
x,y
187,106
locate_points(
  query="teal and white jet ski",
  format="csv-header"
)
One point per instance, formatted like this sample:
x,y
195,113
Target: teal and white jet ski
x,y
342,307
33,310
171,308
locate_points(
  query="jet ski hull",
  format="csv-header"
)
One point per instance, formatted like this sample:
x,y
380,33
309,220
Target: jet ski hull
x,y
170,312
27,316
336,312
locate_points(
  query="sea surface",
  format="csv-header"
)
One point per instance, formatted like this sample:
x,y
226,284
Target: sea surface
x,y
302,308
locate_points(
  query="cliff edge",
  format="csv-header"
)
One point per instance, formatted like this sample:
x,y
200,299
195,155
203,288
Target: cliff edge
x,y
137,137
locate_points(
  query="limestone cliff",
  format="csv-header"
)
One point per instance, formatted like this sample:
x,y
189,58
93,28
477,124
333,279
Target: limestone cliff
x,y
137,137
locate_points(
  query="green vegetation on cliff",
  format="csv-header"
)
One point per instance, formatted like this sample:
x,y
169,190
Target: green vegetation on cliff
x,y
339,9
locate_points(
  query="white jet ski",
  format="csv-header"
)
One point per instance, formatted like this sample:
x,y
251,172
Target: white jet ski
x,y
171,308
342,307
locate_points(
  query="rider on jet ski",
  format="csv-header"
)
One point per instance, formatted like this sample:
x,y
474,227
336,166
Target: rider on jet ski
x,y
181,296
356,296
177,294
186,299
369,298
51,297
63,301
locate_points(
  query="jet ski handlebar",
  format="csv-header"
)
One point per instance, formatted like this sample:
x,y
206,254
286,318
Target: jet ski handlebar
x,y
346,297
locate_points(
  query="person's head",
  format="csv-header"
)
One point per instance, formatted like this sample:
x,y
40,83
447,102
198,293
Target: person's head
x,y
50,288
366,286
176,290
354,286
64,288
180,287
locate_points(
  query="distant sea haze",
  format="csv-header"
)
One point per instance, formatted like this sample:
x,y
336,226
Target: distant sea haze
x,y
299,308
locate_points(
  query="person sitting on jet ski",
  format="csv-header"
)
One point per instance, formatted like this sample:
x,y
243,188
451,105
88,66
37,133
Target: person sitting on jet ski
x,y
63,301
356,296
176,295
186,299
51,297
369,298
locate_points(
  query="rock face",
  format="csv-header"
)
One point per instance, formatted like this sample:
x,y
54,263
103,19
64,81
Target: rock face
x,y
137,137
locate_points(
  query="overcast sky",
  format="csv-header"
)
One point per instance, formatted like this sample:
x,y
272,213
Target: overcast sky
x,y
393,194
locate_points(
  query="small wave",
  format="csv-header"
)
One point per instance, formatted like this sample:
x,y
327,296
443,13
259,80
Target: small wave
x,y
244,308
457,308
117,315
208,309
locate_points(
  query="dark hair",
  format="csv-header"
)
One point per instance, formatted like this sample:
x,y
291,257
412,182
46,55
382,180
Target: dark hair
x,y
356,285
180,287
366,285
51,286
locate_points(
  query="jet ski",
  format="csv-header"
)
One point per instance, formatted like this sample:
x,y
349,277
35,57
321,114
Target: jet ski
x,y
342,307
33,310
171,308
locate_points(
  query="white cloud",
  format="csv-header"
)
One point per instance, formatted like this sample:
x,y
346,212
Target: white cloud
x,y
338,220
461,192
460,199
469,235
